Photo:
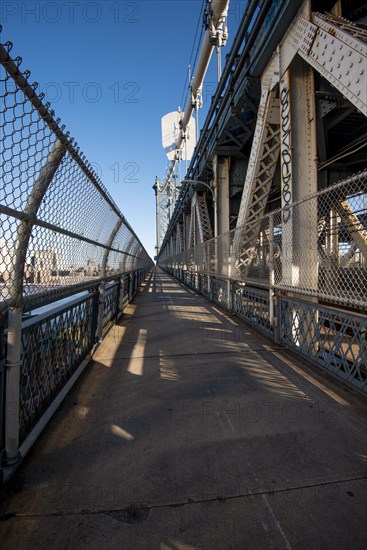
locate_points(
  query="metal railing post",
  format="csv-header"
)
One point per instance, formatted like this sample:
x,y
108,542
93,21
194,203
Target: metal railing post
x,y
272,316
117,301
102,287
131,284
136,275
233,297
210,288
95,314
122,292
199,282
12,385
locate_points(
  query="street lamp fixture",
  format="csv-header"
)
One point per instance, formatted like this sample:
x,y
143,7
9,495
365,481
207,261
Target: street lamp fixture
x,y
198,182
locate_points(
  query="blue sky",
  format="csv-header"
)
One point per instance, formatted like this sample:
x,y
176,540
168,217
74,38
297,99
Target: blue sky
x,y
111,70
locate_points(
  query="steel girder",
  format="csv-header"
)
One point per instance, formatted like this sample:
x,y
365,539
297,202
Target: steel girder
x,y
316,38
263,160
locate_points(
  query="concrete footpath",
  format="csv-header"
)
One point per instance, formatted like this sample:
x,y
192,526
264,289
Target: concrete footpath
x,y
188,431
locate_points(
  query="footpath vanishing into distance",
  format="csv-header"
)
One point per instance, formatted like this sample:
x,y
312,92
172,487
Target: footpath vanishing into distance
x,y
189,430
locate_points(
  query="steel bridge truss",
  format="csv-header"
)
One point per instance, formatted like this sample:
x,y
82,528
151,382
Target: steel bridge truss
x,y
337,50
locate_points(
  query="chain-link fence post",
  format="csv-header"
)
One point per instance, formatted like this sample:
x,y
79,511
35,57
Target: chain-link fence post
x,y
14,340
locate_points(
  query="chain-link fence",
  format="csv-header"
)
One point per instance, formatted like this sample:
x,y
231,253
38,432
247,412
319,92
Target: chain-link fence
x,y
61,235
316,247
60,229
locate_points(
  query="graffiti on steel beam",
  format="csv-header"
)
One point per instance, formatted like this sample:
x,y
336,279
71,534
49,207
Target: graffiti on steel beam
x,y
286,151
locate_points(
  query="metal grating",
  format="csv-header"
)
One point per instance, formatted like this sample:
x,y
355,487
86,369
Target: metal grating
x,y
252,305
334,340
52,348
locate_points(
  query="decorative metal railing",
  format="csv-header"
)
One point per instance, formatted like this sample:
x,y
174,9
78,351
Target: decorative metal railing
x,y
334,340
61,235
55,343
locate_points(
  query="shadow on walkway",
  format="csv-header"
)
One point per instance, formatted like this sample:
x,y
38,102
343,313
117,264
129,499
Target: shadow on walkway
x,y
189,430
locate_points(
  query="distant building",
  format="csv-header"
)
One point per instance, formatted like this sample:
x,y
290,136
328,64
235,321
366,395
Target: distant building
x,y
92,269
45,266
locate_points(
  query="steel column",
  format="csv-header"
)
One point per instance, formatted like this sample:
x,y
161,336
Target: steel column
x,y
221,195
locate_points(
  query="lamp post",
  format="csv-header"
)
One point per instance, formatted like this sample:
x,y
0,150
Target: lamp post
x,y
198,182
